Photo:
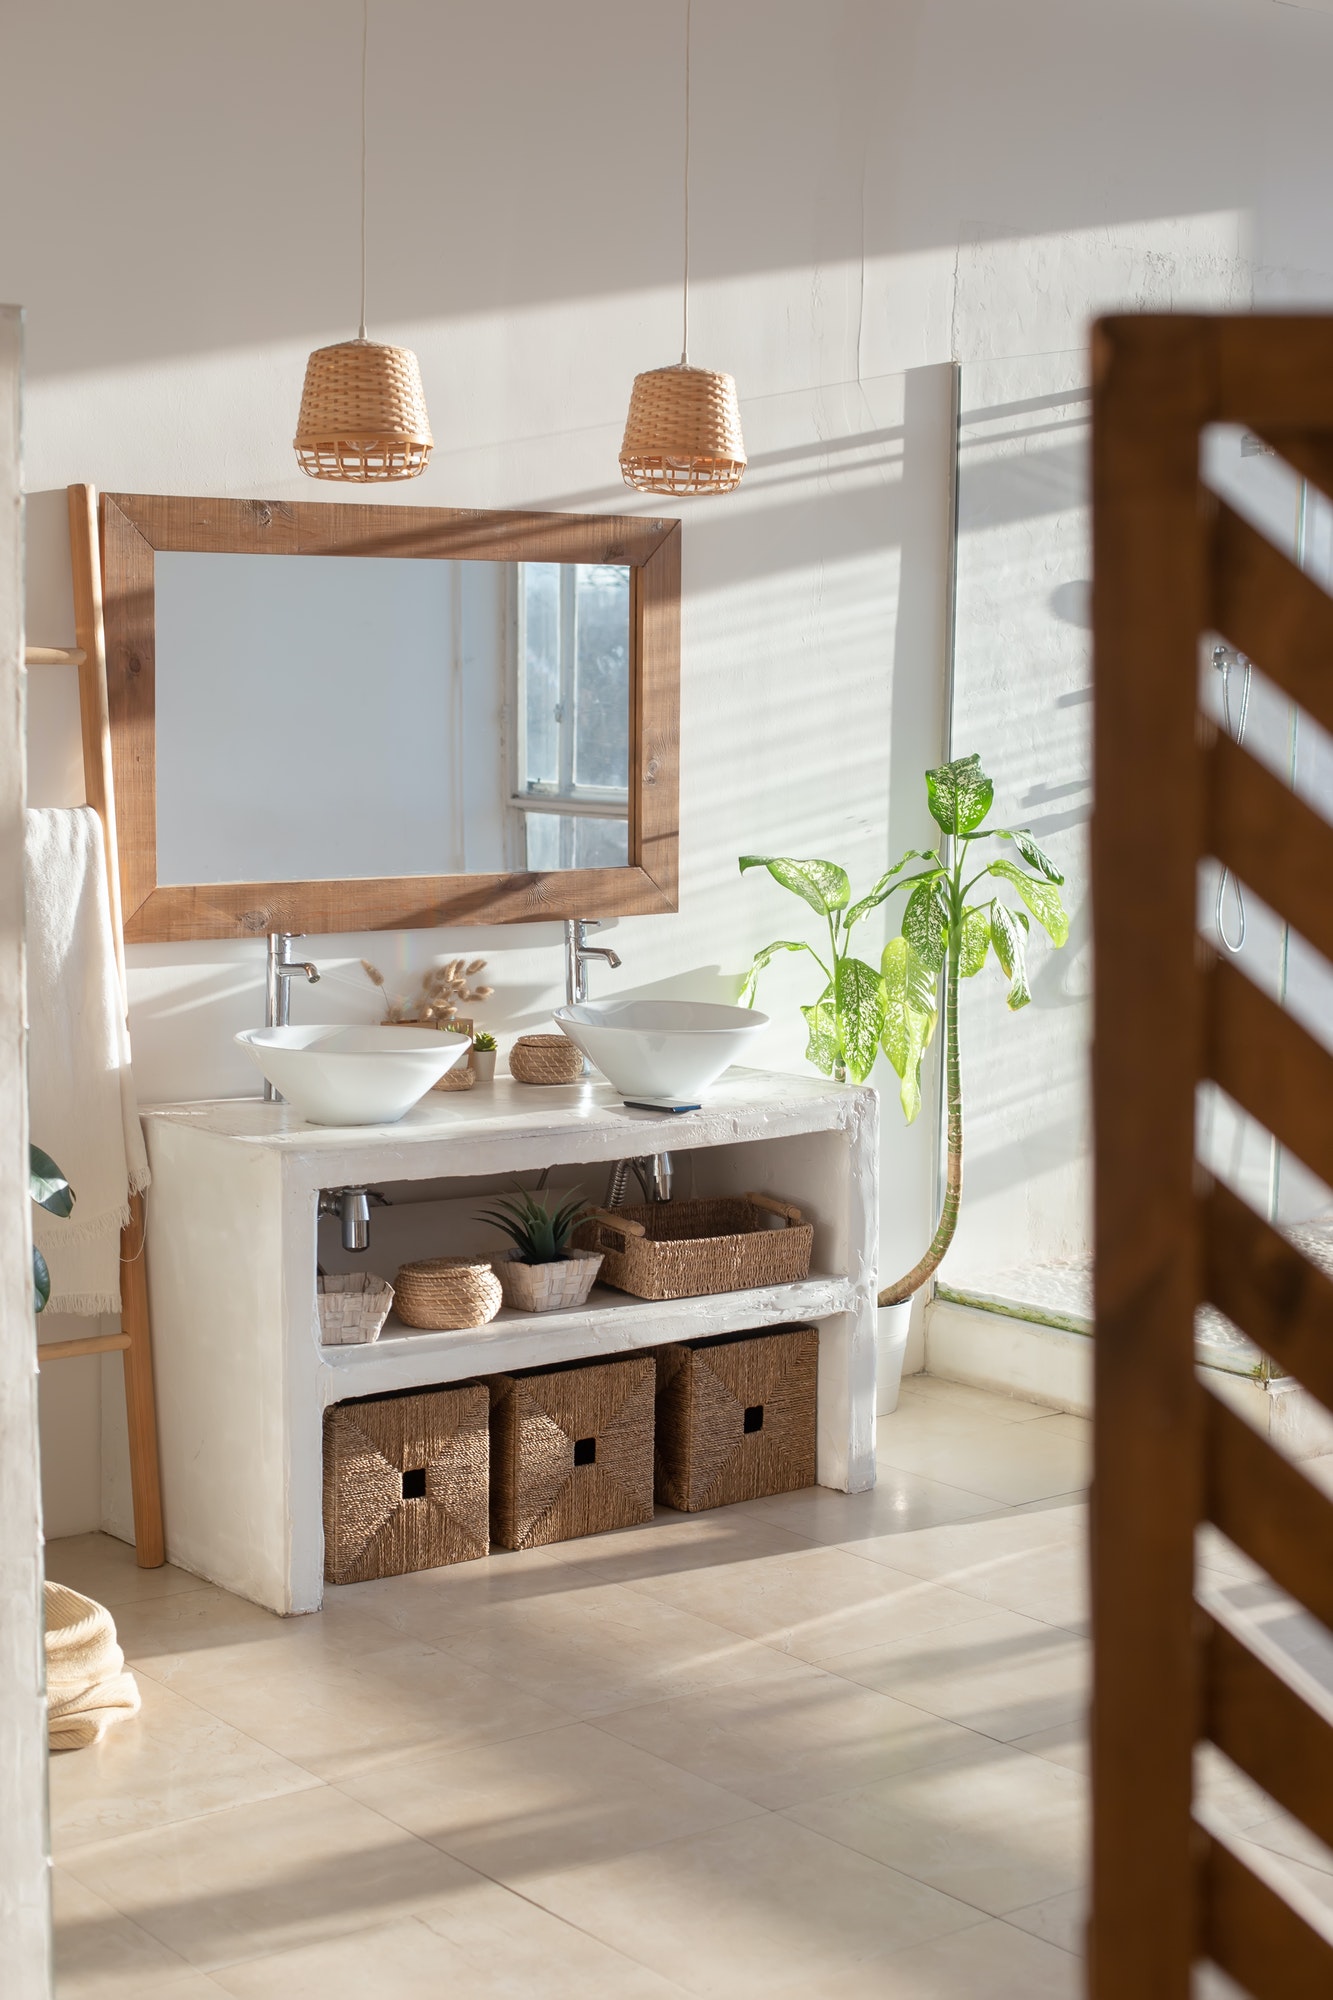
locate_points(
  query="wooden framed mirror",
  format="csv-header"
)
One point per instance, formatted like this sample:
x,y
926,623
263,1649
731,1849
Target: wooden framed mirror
x,y
426,716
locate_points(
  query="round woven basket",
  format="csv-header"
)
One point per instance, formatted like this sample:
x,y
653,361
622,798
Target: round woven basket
x,y
440,1294
363,414
545,1059
683,432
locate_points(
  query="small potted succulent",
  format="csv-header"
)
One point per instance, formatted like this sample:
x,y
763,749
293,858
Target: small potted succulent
x,y
483,1056
541,1273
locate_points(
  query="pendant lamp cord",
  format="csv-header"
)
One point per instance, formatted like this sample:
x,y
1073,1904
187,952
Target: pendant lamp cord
x,y
685,306
365,42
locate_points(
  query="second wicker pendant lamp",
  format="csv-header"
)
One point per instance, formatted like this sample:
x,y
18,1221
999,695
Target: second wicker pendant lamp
x,y
683,432
363,409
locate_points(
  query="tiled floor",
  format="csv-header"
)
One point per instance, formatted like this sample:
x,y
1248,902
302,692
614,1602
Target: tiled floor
x,y
811,1746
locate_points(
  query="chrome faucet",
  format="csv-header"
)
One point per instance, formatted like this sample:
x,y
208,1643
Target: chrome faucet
x,y
577,954
282,969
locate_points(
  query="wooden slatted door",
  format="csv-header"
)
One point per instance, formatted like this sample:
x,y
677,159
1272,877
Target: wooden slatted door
x,y
1172,564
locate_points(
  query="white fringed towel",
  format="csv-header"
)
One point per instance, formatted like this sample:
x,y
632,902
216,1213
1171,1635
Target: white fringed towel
x,y
87,1686
80,1086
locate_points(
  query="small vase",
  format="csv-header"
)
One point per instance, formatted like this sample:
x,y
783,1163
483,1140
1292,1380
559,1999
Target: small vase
x,y
483,1065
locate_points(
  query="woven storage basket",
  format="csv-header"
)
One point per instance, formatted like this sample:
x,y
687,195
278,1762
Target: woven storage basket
x,y
571,1451
683,432
736,1417
542,1288
440,1294
677,1249
363,414
545,1059
406,1482
353,1307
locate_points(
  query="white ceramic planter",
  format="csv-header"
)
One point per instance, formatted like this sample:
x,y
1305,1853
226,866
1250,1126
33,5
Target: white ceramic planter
x,y
540,1288
891,1332
483,1065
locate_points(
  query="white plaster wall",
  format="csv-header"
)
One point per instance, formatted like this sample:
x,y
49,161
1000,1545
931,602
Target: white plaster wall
x,y
191,235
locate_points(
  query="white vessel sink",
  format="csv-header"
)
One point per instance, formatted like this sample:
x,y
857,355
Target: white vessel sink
x,y
338,1075
660,1051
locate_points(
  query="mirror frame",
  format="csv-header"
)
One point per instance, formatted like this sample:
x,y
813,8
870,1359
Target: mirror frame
x,y
134,526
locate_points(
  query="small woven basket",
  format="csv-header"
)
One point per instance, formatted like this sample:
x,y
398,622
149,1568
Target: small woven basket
x,y
545,1059
441,1294
353,1307
363,414
543,1288
681,1249
683,432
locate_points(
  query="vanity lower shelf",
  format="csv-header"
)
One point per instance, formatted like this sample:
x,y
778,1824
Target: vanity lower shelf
x,y
610,1323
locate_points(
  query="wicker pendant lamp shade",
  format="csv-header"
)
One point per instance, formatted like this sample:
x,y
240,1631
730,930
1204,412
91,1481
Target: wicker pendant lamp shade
x,y
363,409
683,432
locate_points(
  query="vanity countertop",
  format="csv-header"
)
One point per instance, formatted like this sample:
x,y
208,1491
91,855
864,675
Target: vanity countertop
x,y
577,1121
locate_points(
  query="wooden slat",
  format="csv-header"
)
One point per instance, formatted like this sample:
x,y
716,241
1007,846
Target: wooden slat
x,y
1279,1298
94,716
1263,1726
1263,1058
140,1395
70,1350
1259,1940
1264,605
1271,840
1308,452
1269,1509
1150,602
1271,371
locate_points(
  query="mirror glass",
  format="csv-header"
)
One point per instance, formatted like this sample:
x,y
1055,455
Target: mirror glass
x,y
359,717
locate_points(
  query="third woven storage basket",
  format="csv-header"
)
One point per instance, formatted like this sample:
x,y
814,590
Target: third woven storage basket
x,y
442,1294
736,1417
679,1249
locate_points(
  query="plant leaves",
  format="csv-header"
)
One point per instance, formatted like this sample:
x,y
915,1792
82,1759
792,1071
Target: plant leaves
x,y
822,884
885,887
1036,857
975,941
1042,898
47,1185
910,1013
926,924
859,992
1011,950
761,959
822,1021
41,1280
959,794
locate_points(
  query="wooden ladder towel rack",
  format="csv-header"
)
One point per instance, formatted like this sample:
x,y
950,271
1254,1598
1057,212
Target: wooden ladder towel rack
x,y
1173,564
134,1342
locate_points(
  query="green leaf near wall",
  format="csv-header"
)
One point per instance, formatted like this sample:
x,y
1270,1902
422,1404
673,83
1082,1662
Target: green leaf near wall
x,y
1042,898
860,996
822,884
959,795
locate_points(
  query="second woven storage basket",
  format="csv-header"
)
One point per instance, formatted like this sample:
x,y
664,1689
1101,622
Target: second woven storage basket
x,y
443,1294
679,1249
571,1450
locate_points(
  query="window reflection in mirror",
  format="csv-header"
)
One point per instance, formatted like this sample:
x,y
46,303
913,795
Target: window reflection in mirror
x,y
572,744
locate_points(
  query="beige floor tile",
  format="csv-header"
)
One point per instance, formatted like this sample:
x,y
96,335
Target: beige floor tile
x,y
1008,1462
900,1503
969,1553
459,1593
165,1635
797,1739
989,1961
996,1828
755,1909
172,1761
511,1951
592,1650
1064,1423
1060,1920
1066,1744
673,1544
964,1402
1002,1674
815,1604
101,1955
568,1796
104,1568
264,1878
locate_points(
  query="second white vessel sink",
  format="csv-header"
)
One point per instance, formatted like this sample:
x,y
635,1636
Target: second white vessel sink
x,y
336,1075
660,1051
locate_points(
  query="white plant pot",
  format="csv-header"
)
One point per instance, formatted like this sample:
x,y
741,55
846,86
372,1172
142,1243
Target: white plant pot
x,y
540,1288
890,1347
483,1065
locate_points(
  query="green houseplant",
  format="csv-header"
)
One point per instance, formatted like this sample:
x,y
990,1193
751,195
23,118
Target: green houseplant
x,y
51,1191
948,932
541,1273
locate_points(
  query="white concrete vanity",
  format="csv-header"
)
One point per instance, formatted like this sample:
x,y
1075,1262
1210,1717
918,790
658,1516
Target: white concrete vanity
x,y
234,1241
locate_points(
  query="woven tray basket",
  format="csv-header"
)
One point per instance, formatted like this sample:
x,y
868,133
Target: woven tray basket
x,y
545,1059
736,1417
441,1294
406,1482
353,1307
542,1288
571,1451
678,1249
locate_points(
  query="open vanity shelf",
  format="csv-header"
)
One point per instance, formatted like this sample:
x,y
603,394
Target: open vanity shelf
x,y
234,1241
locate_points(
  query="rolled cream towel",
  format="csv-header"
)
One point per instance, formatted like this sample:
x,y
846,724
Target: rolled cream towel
x,y
87,1685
